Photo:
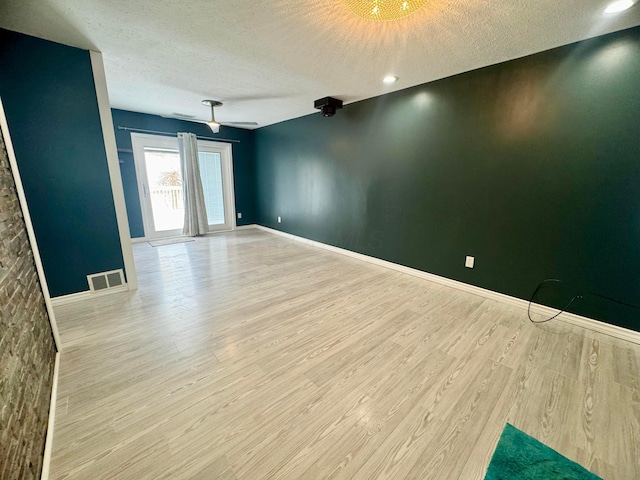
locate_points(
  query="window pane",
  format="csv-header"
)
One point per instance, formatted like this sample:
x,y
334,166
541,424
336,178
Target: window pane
x,y
211,173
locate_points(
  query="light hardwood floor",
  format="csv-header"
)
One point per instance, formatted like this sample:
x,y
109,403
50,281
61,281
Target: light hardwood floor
x,y
249,356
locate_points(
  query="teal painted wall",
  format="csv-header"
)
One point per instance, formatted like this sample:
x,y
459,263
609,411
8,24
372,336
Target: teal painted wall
x,y
52,111
532,166
243,161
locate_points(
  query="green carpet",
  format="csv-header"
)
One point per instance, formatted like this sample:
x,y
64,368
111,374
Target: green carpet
x,y
519,456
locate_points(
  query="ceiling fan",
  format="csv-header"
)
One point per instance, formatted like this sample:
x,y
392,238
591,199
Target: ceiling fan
x,y
215,125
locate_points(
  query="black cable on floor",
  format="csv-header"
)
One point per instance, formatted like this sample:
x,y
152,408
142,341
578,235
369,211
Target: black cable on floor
x,y
549,280
577,297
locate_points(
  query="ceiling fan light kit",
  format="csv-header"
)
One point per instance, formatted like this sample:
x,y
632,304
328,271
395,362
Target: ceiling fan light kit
x,y
384,10
215,126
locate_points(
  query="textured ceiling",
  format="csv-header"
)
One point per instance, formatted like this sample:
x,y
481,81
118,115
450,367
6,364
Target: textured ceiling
x,y
268,60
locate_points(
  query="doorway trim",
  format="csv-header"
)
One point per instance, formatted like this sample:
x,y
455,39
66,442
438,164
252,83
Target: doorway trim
x,y
113,163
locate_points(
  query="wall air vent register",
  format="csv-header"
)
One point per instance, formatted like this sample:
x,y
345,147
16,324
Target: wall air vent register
x,y
105,280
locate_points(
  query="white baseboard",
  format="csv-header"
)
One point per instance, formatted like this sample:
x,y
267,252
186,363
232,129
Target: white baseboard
x,y
246,227
87,295
571,318
48,446
215,232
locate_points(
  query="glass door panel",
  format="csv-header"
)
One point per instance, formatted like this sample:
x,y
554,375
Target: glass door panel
x,y
164,191
211,174
216,171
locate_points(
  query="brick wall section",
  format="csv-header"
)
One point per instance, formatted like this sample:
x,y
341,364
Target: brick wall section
x,y
27,349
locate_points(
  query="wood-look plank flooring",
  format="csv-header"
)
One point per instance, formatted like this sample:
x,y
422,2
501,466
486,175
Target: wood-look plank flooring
x,y
247,356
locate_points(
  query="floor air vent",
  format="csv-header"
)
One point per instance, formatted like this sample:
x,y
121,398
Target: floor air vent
x,y
105,280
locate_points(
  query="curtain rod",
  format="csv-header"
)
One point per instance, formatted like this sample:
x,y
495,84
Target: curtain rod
x,y
175,134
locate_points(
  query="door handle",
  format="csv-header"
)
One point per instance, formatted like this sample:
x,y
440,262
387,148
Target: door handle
x,y
144,187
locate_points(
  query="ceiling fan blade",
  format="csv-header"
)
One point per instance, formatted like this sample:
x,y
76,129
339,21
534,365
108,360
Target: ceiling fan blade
x,y
181,116
240,123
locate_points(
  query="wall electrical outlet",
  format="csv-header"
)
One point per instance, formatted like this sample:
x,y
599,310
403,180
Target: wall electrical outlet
x,y
469,262
239,215
279,220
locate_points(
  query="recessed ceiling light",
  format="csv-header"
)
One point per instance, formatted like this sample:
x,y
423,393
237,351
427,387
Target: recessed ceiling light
x,y
619,6
389,79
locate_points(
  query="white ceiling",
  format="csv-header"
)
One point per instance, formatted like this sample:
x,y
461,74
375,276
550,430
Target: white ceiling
x,y
268,60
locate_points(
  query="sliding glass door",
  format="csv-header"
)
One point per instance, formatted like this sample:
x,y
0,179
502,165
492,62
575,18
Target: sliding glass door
x,y
160,184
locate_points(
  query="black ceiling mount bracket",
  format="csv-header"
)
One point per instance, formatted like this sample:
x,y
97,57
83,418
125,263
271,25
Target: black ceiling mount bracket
x,y
328,106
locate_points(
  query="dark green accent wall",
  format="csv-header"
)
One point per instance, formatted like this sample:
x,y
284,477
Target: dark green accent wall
x,y
51,106
243,161
532,166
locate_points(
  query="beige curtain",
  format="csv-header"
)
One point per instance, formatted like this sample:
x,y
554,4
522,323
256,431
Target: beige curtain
x,y
195,210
